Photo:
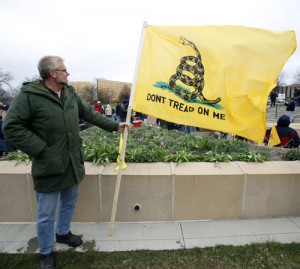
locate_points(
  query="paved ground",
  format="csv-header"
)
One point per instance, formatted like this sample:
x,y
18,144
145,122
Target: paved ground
x,y
273,113
21,238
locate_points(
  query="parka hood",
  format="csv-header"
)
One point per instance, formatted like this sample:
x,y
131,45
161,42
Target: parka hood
x,y
283,121
38,86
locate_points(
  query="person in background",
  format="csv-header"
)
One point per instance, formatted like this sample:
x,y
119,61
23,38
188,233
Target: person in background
x,y
273,96
141,116
297,96
113,117
189,129
123,112
108,111
288,136
4,107
98,107
290,108
224,135
3,146
118,112
42,121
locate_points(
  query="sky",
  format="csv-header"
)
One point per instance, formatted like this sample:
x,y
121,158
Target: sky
x,y
100,39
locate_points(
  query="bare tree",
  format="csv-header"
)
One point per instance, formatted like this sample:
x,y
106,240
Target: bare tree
x,y
5,78
93,91
12,92
4,96
106,96
33,78
296,76
281,80
124,94
88,93
5,87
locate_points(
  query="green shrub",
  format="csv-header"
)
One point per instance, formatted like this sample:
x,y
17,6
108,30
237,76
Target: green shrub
x,y
149,144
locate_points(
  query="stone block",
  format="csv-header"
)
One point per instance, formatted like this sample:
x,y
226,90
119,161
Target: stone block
x,y
271,189
88,208
144,184
15,198
208,191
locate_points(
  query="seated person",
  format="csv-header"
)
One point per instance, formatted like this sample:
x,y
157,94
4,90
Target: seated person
x,y
5,145
4,107
288,136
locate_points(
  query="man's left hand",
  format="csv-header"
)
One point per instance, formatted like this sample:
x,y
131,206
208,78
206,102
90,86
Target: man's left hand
x,y
122,126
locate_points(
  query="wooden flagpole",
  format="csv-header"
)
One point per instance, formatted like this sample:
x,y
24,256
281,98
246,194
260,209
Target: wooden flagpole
x,y
122,154
118,183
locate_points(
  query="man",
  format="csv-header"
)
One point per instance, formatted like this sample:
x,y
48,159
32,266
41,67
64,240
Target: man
x,y
42,121
123,110
108,111
273,96
4,107
289,137
290,108
118,112
3,146
98,107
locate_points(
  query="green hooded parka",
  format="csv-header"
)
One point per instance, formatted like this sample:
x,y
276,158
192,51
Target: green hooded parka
x,y
47,129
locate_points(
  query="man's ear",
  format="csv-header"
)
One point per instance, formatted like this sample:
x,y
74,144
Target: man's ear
x,y
52,74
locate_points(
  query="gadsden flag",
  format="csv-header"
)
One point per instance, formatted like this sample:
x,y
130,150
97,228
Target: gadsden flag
x,y
213,77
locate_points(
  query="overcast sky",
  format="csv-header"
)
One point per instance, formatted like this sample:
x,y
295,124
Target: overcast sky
x,y
100,38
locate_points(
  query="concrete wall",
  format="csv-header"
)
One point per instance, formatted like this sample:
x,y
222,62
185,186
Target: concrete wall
x,y
166,192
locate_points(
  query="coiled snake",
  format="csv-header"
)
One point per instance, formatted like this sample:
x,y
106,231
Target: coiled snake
x,y
197,70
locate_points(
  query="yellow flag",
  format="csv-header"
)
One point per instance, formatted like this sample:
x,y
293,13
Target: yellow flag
x,y
124,166
274,137
213,77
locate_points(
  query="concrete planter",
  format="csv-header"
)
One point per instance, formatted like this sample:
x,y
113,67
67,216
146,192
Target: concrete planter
x,y
166,192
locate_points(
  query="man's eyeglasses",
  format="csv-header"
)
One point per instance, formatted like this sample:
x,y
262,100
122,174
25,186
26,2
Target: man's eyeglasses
x,y
61,70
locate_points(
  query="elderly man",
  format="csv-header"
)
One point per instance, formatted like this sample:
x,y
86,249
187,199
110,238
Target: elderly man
x,y
42,121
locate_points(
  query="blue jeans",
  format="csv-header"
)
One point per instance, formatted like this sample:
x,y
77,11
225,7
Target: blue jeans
x,y
47,203
290,114
190,129
118,118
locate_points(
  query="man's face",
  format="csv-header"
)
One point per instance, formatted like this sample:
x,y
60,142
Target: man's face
x,y
61,75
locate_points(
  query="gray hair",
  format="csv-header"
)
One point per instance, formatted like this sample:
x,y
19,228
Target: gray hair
x,y
48,63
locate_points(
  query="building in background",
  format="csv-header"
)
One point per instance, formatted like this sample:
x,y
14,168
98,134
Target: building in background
x,y
86,90
108,90
289,90
81,84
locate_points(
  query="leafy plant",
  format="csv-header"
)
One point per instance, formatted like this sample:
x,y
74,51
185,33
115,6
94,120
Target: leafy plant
x,y
211,156
149,144
182,156
250,155
18,156
292,154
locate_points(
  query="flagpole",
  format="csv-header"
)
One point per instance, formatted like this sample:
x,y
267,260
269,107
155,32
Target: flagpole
x,y
137,63
122,154
118,183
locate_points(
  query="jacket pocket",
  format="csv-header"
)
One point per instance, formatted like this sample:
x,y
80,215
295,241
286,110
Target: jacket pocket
x,y
48,167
